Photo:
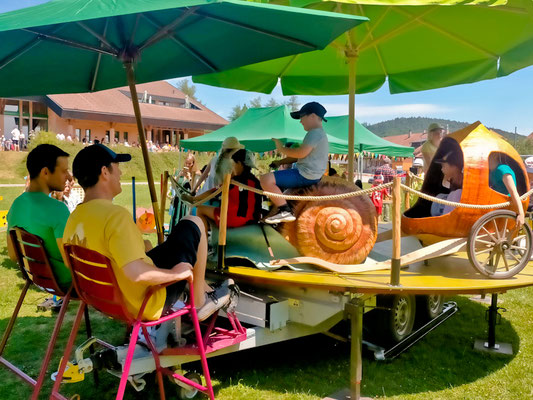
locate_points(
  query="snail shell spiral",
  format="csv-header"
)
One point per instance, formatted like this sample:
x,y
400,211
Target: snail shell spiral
x,y
340,231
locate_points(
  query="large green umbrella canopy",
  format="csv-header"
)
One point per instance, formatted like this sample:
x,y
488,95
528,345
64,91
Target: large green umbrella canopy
x,y
411,44
365,140
77,45
255,130
66,46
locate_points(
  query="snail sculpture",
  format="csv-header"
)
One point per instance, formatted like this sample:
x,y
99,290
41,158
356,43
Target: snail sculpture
x,y
340,231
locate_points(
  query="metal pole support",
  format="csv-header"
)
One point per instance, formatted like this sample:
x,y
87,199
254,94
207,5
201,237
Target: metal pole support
x,y
490,344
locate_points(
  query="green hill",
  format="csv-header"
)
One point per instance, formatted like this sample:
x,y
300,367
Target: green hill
x,y
400,126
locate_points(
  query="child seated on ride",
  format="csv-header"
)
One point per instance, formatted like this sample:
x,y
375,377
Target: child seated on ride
x,y
502,179
452,168
244,206
377,196
229,146
311,161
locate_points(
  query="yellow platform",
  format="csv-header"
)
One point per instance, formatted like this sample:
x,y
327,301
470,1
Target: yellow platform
x,y
443,275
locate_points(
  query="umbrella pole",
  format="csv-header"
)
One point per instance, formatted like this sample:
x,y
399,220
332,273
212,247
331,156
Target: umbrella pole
x,y
351,112
142,140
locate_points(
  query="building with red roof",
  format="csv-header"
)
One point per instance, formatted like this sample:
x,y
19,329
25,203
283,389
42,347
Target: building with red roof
x,y
168,115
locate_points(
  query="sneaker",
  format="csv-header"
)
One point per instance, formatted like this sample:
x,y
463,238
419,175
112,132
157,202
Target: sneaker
x,y
214,301
282,216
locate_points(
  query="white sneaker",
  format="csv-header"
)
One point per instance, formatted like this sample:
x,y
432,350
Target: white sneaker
x,y
282,216
214,301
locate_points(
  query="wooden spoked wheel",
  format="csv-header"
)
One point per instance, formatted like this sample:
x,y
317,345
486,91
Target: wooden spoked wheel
x,y
496,248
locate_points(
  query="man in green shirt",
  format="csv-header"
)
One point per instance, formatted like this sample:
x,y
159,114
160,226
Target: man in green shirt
x,y
36,212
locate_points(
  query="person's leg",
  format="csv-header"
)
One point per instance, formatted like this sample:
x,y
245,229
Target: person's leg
x,y
206,213
290,178
186,243
268,184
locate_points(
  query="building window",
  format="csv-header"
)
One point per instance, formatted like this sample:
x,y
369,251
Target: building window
x,y
88,135
107,137
125,136
117,136
78,134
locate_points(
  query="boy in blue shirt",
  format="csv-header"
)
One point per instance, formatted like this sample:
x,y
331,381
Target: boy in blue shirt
x,y
311,161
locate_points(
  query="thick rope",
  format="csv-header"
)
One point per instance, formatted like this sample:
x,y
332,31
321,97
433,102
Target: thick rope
x,y
462,205
206,199
312,198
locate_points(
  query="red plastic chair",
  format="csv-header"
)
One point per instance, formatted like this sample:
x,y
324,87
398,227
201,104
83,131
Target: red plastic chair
x,y
96,284
35,266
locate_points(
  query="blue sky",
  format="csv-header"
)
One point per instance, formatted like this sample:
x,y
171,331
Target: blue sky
x,y
503,103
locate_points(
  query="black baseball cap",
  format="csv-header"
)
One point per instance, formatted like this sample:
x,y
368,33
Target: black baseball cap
x,y
453,158
310,108
88,163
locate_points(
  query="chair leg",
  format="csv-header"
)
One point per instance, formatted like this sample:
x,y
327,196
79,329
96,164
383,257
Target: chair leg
x,y
11,323
201,349
157,363
89,332
51,345
129,358
68,349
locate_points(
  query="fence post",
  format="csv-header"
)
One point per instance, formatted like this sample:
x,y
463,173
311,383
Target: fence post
x,y
396,231
407,194
164,188
223,221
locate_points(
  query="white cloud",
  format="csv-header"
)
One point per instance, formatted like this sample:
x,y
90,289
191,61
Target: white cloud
x,y
388,111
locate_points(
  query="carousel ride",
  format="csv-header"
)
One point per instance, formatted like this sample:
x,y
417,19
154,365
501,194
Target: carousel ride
x,y
335,262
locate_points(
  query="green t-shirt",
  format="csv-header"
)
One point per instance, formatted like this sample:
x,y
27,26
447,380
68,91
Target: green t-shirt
x,y
45,217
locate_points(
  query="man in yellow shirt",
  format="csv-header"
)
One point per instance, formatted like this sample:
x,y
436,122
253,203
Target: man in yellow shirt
x,y
429,148
109,229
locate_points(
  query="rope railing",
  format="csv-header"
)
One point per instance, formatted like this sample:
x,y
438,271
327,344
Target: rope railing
x,y
312,198
462,205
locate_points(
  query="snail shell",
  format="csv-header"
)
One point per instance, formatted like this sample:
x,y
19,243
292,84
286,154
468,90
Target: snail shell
x,y
340,231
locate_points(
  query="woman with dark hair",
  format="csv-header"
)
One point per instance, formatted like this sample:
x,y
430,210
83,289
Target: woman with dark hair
x,y
244,207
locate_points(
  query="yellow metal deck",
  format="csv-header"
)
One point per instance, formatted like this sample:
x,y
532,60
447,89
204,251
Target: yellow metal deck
x,y
443,275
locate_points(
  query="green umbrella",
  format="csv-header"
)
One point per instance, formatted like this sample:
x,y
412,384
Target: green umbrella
x,y
78,45
255,130
412,44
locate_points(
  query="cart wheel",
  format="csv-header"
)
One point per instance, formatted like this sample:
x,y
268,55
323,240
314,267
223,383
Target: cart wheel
x,y
429,307
190,392
396,321
495,248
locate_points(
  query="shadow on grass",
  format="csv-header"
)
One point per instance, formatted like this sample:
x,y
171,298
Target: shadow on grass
x,y
315,365
319,365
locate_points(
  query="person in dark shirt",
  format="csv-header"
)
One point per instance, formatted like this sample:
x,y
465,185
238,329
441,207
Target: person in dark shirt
x,y
244,207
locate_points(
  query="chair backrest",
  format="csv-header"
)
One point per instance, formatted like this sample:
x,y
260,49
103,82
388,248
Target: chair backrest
x,y
33,260
95,282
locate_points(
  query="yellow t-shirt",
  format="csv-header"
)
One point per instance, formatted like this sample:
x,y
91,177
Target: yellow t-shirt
x,y
109,229
429,148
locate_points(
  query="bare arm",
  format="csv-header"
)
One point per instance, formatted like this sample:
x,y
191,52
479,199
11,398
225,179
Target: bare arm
x,y
299,152
515,198
286,160
139,271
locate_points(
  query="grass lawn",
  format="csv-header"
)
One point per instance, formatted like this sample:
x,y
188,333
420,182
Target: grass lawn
x,y
442,366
